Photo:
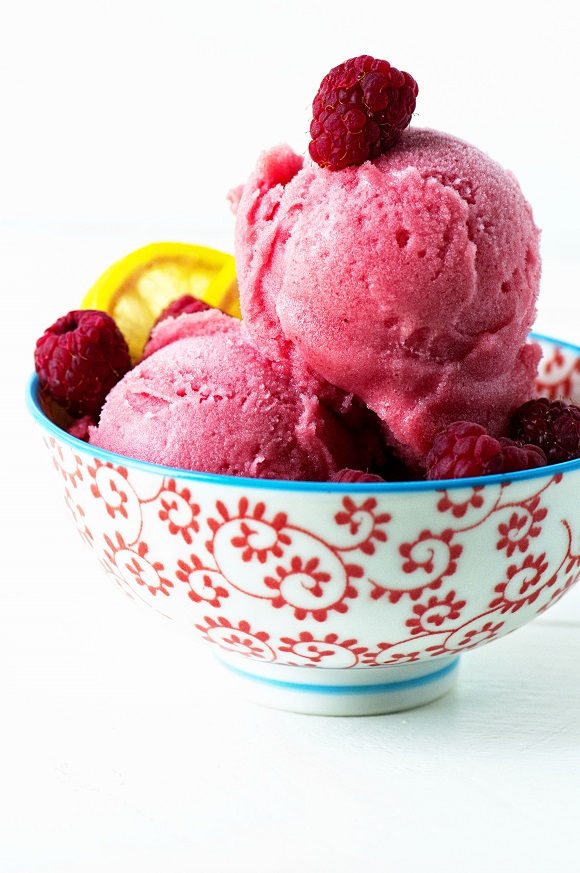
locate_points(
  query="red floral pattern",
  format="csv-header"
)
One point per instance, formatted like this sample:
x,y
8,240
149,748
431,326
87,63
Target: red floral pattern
x,y
363,523
110,484
66,462
178,510
307,577
435,613
521,527
459,503
205,584
523,584
135,567
237,638
330,651
559,375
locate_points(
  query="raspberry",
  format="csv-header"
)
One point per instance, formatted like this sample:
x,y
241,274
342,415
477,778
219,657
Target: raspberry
x,y
185,304
79,359
349,476
360,111
553,425
520,456
80,427
465,449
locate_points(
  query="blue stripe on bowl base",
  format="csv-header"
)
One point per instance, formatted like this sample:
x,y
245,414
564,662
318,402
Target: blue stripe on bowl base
x,y
378,688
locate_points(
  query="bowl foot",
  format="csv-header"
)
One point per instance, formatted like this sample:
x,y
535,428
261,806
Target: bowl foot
x,y
320,691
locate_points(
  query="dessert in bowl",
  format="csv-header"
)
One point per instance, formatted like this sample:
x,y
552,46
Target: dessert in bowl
x,y
332,598
357,482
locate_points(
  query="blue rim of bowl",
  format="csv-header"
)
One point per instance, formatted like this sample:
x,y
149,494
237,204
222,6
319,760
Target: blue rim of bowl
x,y
77,445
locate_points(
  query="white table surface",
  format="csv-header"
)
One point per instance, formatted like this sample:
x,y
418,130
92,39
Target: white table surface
x,y
120,748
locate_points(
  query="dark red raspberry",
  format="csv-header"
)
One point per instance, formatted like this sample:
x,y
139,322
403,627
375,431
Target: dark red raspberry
x,y
360,111
348,476
79,359
465,449
553,425
185,304
520,456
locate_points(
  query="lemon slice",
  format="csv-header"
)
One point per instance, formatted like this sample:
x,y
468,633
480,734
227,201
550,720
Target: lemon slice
x,y
136,289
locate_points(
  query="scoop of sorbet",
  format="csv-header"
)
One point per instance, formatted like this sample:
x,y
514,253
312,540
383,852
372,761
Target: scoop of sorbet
x,y
410,281
204,398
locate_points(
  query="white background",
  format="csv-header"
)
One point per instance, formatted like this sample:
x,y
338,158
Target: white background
x,y
125,123
149,111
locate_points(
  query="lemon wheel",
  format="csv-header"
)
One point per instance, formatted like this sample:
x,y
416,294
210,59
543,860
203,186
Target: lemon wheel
x,y
135,289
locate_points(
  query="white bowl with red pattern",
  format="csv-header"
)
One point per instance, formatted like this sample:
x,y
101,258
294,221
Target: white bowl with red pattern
x,y
342,599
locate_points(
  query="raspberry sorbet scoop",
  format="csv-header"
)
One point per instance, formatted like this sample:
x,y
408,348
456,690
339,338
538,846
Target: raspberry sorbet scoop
x,y
410,280
204,398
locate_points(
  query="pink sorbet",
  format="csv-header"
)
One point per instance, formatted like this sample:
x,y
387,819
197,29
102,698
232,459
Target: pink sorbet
x,y
410,281
204,398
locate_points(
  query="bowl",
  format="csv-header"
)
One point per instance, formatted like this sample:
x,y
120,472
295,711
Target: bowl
x,y
337,599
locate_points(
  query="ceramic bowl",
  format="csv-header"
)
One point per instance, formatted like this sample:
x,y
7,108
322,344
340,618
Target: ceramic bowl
x,y
332,598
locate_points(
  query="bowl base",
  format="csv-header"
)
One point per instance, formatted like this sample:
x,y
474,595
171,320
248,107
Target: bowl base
x,y
322,691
